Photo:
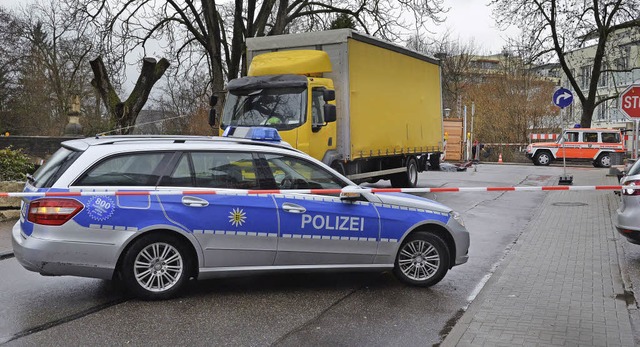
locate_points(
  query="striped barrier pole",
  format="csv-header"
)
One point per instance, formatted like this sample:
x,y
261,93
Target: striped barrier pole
x,y
313,191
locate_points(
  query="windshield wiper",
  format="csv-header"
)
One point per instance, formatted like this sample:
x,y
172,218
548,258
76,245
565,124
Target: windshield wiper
x,y
241,106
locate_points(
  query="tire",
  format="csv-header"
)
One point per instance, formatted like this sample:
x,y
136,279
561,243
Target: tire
x,y
407,179
159,258
542,158
422,260
604,160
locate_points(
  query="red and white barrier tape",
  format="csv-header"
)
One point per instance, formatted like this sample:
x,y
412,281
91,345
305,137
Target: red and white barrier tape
x,y
543,136
312,191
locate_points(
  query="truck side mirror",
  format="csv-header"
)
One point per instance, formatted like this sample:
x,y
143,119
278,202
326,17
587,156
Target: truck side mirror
x,y
213,100
329,95
329,113
212,117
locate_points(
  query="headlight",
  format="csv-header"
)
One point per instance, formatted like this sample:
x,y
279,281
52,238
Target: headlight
x,y
457,217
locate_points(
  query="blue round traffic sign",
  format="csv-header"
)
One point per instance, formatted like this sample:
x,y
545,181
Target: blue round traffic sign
x,y
562,97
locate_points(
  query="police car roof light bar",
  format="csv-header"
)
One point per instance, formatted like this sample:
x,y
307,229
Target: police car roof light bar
x,y
253,133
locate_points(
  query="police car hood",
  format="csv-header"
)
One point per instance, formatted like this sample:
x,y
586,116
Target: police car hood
x,y
408,200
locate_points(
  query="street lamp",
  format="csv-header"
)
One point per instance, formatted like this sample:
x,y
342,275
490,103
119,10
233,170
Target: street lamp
x,y
447,111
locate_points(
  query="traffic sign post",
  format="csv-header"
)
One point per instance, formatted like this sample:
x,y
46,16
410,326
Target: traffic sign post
x,y
629,106
563,98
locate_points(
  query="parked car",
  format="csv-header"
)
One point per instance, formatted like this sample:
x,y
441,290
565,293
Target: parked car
x,y
579,144
627,219
166,225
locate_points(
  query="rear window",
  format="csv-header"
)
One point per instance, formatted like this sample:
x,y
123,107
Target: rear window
x,y
590,137
635,169
48,173
610,137
214,170
138,169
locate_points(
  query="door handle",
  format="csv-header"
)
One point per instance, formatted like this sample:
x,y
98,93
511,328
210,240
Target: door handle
x,y
194,202
293,208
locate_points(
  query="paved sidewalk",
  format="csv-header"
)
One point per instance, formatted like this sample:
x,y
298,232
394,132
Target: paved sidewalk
x,y
561,284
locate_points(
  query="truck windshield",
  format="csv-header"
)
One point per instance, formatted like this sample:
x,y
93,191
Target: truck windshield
x,y
281,108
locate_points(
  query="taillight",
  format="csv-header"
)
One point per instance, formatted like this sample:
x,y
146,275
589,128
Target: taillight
x,y
53,211
631,191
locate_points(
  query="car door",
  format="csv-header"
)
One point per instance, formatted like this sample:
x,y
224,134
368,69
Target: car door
x,y
570,148
320,229
232,229
590,146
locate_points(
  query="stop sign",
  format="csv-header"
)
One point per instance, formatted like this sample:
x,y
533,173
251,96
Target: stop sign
x,y
630,101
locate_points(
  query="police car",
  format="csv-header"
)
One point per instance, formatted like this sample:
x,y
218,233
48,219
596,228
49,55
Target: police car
x,y
157,211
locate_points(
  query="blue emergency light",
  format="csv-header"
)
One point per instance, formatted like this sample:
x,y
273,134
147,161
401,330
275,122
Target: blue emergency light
x,y
253,133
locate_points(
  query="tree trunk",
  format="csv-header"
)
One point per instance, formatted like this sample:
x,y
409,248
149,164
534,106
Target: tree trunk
x,y
123,115
587,113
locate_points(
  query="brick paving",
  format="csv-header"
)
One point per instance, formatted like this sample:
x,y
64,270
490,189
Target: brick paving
x,y
561,284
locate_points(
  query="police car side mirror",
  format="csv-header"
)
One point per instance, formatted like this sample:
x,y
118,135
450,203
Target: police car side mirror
x,y
350,196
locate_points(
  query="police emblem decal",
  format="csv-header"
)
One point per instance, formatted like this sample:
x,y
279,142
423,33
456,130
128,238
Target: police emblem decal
x,y
100,208
237,217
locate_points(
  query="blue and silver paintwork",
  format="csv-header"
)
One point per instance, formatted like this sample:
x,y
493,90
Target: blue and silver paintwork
x,y
230,233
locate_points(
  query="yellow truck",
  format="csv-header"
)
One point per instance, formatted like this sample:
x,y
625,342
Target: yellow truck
x,y
387,118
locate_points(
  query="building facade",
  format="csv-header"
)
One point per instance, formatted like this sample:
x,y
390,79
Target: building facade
x,y
621,68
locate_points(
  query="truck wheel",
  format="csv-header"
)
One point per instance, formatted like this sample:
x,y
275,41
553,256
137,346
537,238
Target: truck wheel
x,y
407,179
156,267
542,158
604,160
422,260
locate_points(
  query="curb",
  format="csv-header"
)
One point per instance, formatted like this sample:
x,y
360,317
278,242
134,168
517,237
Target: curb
x,y
6,255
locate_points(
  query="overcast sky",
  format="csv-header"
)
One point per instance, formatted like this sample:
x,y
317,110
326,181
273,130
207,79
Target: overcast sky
x,y
466,19
472,19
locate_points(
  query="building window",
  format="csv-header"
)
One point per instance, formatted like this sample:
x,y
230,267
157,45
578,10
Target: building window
x,y
601,111
586,76
603,80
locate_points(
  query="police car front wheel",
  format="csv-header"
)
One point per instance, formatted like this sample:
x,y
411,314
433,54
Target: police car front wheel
x,y
156,267
422,260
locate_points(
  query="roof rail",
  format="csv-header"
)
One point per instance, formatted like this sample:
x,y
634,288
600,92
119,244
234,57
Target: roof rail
x,y
112,139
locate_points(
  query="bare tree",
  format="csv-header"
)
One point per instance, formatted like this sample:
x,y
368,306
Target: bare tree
x,y
124,114
203,32
455,65
556,27
44,60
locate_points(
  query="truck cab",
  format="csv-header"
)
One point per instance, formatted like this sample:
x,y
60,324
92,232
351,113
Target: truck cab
x,y
298,103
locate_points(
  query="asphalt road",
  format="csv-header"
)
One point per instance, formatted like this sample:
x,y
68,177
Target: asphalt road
x,y
284,309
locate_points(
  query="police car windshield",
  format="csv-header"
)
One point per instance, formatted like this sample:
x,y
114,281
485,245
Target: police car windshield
x,y
281,108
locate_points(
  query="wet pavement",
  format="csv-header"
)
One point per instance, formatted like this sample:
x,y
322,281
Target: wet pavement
x,y
5,237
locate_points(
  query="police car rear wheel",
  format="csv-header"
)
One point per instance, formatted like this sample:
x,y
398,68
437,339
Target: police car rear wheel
x,y
422,260
156,267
